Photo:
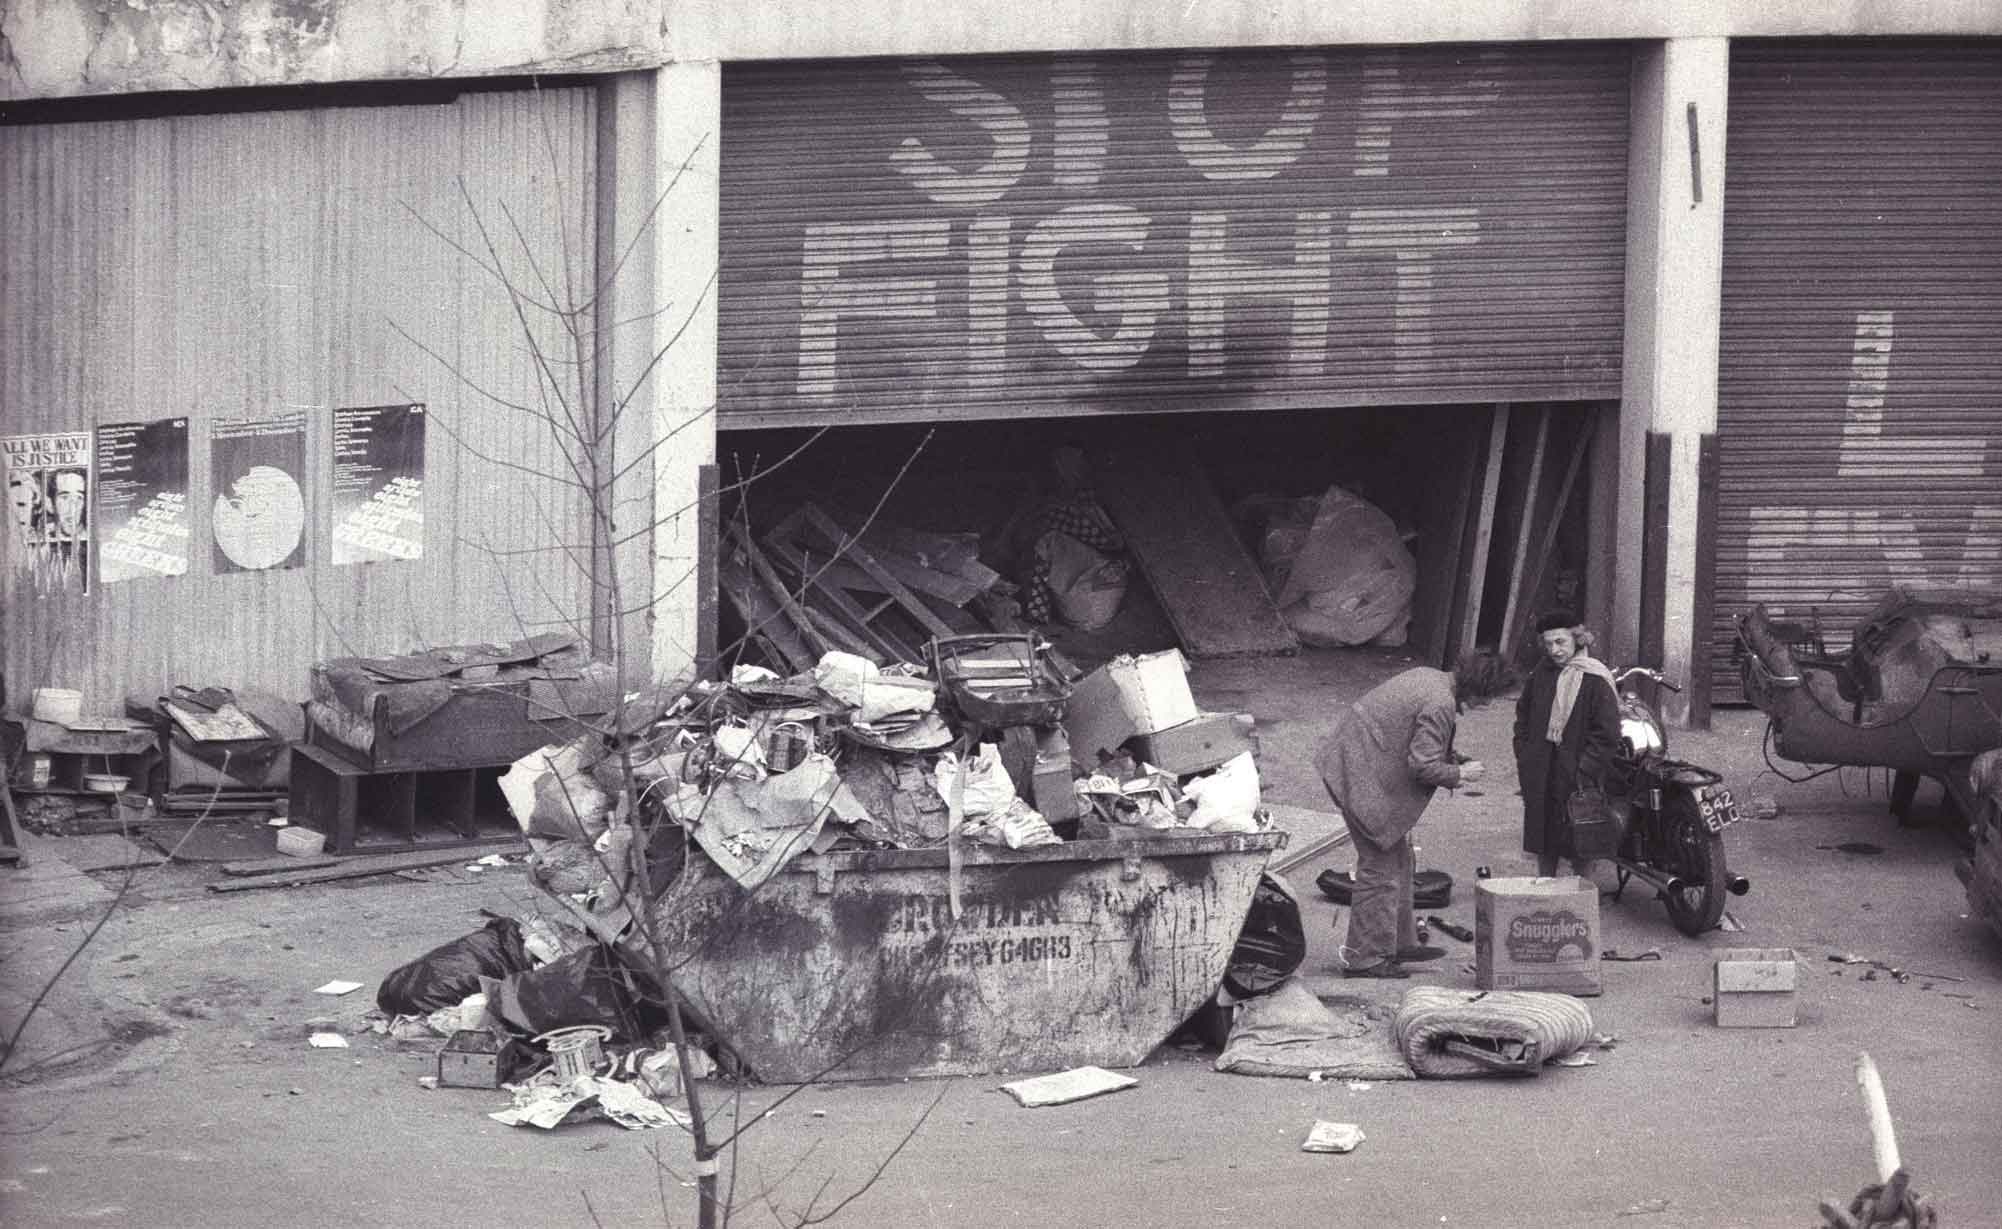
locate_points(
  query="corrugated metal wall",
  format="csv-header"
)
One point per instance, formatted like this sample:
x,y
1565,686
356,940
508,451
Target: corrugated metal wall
x,y
1860,380
235,266
906,240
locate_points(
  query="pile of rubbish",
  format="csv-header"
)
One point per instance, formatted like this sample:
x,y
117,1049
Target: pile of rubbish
x,y
759,769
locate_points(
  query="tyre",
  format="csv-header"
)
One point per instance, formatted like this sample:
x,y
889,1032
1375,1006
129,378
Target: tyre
x,y
1698,861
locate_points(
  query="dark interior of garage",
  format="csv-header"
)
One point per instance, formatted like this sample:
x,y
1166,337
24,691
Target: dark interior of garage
x,y
1258,474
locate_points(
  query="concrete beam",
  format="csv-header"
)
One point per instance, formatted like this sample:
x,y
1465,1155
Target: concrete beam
x,y
686,239
73,48
1675,265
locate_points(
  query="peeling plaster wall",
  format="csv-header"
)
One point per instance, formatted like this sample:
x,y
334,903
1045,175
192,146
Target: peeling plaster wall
x,y
71,48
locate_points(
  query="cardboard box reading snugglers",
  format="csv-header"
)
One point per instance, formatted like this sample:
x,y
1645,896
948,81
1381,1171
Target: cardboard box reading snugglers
x,y
1537,934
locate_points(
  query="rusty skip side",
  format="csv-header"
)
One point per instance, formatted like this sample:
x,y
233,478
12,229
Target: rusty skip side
x,y
851,966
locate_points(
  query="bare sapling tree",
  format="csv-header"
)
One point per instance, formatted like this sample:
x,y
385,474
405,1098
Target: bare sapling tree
x,y
608,438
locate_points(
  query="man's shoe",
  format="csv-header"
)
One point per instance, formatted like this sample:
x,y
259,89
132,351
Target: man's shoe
x,y
1388,969
1420,953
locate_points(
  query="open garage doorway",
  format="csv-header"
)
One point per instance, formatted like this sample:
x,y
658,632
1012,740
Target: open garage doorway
x,y
1210,512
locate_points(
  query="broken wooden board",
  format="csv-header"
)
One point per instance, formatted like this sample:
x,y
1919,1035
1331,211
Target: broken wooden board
x,y
1178,532
357,868
1311,833
765,618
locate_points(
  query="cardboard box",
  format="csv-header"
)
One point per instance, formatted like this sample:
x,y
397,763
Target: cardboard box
x,y
1127,696
1755,987
1537,934
1211,740
1155,689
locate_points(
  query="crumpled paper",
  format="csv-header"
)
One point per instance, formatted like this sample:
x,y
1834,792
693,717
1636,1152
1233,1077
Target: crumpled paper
x,y
549,1105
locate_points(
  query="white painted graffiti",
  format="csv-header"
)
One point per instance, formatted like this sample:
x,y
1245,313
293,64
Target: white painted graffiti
x,y
1098,280
1894,539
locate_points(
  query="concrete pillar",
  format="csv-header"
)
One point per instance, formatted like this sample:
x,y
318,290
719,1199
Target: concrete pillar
x,y
686,246
1675,261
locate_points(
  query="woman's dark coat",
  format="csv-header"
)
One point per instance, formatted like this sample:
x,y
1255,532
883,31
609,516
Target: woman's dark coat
x,y
1550,771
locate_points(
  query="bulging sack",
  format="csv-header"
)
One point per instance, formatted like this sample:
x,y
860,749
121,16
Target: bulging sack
x,y
446,975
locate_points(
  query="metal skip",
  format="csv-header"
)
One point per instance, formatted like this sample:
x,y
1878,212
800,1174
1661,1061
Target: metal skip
x,y
850,965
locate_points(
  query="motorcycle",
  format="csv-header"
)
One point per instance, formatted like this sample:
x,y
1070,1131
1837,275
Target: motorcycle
x,y
1672,815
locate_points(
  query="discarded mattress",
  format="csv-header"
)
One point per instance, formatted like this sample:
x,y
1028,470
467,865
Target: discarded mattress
x,y
1445,1033
1291,1032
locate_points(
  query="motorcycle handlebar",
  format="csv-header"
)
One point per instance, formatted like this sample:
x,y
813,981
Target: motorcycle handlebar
x,y
1652,675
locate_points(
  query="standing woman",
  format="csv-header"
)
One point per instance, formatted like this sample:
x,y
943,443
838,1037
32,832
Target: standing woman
x,y
1567,727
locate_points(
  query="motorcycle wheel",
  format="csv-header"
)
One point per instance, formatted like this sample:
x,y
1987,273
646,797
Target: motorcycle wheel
x,y
1699,856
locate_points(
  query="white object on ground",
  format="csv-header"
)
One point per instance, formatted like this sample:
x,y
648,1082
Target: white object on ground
x,y
328,1041
1067,1086
1333,1137
337,987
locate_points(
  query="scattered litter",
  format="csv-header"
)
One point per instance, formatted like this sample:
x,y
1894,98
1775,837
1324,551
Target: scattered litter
x,y
428,1082
1067,1086
1575,1059
820,1113
1462,933
338,987
1653,953
1333,1137
549,1105
278,821
329,1041
1603,1041
1646,1207
493,859
1317,1077
1729,924
1360,1085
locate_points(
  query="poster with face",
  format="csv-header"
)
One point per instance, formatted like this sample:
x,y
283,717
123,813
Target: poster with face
x,y
142,499
378,483
257,469
48,511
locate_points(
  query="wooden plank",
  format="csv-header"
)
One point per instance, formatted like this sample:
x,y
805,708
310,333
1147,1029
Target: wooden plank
x,y
362,867
1476,565
1178,532
1441,537
1540,561
1525,529
813,576
958,554
281,863
1322,830
707,610
849,547
10,823
764,619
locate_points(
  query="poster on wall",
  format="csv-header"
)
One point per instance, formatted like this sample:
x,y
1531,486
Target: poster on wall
x,y
48,511
142,499
257,468
378,483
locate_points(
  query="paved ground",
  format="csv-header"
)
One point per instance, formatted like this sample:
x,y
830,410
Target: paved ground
x,y
168,1081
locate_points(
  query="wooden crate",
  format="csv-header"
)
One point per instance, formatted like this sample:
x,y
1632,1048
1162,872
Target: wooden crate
x,y
363,811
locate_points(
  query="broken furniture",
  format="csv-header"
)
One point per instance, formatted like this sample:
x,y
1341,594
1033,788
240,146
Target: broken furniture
x,y
402,751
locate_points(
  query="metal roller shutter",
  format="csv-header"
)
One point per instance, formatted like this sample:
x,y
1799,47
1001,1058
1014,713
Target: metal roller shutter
x,y
1860,377
972,238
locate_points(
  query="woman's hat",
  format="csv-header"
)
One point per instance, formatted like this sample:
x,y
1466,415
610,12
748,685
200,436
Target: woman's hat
x,y
1555,620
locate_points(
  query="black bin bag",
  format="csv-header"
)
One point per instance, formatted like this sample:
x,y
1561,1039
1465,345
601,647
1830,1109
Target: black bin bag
x,y
446,975
1272,945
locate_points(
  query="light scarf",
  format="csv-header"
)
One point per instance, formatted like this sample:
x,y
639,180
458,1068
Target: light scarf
x,y
1569,680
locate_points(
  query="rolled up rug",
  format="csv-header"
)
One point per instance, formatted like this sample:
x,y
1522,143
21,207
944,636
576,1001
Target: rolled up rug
x,y
1447,1033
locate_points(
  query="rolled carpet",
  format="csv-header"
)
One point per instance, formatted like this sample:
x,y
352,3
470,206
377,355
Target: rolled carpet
x,y
1444,1033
